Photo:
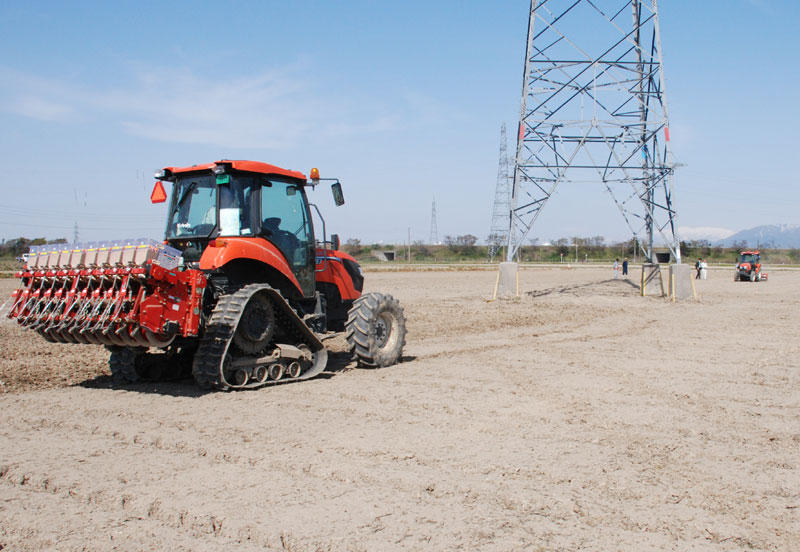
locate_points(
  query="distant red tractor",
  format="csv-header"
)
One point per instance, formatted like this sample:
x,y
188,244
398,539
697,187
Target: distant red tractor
x,y
749,267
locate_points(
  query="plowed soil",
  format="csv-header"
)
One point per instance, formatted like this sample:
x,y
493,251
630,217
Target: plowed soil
x,y
579,416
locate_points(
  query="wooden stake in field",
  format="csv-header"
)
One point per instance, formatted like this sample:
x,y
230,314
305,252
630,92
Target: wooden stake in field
x,y
649,272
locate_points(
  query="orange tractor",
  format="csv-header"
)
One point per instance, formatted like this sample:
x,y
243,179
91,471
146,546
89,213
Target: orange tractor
x,y
239,293
748,268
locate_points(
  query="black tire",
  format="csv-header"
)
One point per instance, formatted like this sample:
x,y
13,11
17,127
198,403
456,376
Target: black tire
x,y
183,361
376,330
335,309
256,326
127,364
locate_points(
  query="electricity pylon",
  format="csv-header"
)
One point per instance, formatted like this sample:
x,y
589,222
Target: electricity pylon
x,y
498,231
594,109
434,237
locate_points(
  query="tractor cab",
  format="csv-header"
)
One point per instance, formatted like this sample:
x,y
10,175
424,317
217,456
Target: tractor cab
x,y
230,200
749,257
206,207
246,221
261,209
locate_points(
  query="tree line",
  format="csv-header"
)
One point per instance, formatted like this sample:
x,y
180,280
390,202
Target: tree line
x,y
465,248
564,249
18,246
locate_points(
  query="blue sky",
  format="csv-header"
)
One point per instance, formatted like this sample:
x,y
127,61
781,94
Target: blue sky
x,y
401,100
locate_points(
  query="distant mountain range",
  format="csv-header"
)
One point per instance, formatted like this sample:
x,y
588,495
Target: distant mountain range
x,y
710,233
781,236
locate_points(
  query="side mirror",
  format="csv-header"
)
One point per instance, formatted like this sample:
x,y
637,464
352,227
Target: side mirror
x,y
335,243
338,196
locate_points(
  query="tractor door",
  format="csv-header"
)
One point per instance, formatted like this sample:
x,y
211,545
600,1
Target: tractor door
x,y
286,222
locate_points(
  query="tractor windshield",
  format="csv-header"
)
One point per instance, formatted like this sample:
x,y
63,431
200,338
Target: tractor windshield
x,y
194,212
748,258
194,207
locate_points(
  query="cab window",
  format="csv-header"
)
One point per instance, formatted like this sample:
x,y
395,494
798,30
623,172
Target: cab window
x,y
193,211
235,205
284,220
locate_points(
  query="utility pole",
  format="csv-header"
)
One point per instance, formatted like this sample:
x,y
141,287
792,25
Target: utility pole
x,y
408,250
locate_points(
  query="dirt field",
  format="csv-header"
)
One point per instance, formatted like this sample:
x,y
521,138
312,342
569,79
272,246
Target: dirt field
x,y
581,416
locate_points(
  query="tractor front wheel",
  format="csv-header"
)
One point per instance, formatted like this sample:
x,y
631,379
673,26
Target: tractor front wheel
x,y
376,330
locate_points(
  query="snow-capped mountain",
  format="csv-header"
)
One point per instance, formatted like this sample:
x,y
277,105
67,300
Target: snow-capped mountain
x,y
769,235
709,233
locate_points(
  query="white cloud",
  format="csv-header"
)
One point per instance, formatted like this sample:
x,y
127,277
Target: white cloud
x,y
42,109
267,110
35,98
710,233
273,109
764,5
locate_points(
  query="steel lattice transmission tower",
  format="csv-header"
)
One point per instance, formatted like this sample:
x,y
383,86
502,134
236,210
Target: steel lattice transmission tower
x,y
498,231
434,237
594,109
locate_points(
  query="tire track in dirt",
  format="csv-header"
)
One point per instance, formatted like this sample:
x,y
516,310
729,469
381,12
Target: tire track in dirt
x,y
488,494
76,492
509,335
121,509
199,525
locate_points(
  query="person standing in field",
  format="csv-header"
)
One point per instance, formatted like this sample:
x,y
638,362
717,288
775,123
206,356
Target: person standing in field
x,y
616,268
703,269
625,267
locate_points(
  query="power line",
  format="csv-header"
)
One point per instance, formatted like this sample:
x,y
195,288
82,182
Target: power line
x,y
27,213
61,227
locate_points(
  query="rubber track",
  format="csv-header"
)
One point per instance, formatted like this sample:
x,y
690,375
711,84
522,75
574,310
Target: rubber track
x,y
214,344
